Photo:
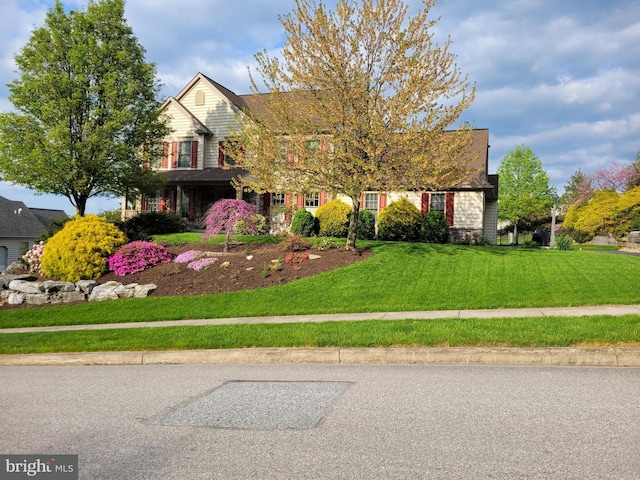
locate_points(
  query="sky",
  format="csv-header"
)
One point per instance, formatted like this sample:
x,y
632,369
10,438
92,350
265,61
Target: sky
x,y
562,77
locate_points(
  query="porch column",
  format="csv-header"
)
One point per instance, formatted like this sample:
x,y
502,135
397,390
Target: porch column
x,y
179,200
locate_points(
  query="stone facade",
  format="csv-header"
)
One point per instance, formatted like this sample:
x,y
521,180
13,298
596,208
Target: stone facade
x,y
22,288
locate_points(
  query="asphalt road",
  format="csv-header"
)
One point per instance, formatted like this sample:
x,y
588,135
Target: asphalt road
x,y
327,421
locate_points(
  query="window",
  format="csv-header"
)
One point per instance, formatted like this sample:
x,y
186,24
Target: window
x,y
371,202
313,145
312,200
223,157
200,98
277,199
436,202
184,154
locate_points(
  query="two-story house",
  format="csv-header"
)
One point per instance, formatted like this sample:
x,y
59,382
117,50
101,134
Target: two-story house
x,y
199,174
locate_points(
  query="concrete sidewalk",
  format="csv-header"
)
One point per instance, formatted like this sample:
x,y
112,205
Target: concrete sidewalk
x,y
613,310
609,356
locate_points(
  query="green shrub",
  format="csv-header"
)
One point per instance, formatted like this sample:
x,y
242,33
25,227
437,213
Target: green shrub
x,y
435,228
80,250
366,225
303,223
295,243
578,236
144,225
259,224
333,218
401,221
564,242
530,244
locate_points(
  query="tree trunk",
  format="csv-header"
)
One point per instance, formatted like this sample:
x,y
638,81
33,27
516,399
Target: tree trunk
x,y
81,205
515,232
353,222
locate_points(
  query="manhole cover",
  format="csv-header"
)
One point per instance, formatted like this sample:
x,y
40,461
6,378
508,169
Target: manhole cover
x,y
258,405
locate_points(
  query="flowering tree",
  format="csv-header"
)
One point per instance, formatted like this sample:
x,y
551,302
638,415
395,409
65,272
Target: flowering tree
x,y
223,216
616,177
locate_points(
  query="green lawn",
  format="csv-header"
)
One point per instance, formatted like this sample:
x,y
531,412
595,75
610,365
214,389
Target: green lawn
x,y
522,332
399,277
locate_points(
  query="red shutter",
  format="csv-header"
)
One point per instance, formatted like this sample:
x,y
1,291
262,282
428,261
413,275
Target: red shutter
x,y
425,203
449,208
220,155
194,154
323,198
300,200
266,204
174,154
165,155
383,201
361,206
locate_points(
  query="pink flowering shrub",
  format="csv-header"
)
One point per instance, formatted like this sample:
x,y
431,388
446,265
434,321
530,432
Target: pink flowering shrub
x,y
188,256
33,258
137,256
223,216
202,263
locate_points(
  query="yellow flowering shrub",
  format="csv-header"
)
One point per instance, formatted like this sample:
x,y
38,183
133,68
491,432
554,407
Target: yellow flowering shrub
x,y
599,215
79,251
333,218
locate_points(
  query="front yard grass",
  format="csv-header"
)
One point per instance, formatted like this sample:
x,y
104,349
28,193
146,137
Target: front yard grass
x,y
522,332
399,277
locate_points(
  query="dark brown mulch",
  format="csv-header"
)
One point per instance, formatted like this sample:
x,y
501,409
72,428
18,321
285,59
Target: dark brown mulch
x,y
248,268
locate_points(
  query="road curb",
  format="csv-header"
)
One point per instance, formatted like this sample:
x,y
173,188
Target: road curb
x,y
555,356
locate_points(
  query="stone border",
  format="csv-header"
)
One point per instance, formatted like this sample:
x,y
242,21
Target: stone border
x,y
18,289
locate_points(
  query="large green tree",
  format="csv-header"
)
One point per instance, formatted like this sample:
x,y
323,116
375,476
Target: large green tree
x,y
524,192
361,100
86,120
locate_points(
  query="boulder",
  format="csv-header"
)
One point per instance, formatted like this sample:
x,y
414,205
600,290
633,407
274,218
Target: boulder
x,y
142,291
23,286
86,285
16,298
106,291
51,286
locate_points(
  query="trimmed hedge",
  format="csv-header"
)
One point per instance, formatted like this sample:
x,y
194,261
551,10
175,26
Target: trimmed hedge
x,y
400,221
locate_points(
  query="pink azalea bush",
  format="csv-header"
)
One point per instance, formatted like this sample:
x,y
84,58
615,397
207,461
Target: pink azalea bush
x,y
33,258
136,256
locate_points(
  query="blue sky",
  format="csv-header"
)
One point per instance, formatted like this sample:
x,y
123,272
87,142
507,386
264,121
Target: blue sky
x,y
562,77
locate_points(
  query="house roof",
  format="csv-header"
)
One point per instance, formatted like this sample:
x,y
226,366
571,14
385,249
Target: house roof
x,y
19,221
478,156
207,175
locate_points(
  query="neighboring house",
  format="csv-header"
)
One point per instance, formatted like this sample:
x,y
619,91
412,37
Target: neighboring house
x,y
198,173
20,227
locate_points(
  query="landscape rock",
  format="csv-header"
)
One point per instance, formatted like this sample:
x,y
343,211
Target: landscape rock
x,y
16,298
51,286
23,286
142,291
86,285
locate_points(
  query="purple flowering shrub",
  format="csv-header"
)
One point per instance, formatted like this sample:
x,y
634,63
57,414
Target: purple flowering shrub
x,y
202,263
137,256
188,256
223,216
33,258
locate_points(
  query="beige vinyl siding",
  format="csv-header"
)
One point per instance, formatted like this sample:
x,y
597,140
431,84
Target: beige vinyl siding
x,y
468,210
217,113
491,220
